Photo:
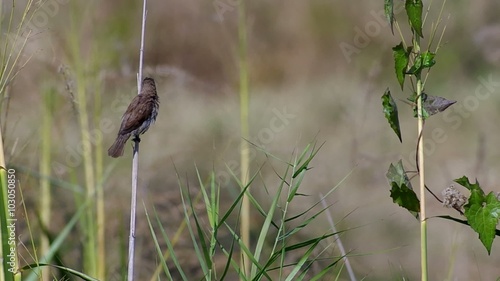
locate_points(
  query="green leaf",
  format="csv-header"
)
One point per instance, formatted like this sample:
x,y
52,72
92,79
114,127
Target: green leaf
x,y
305,166
483,218
401,59
401,190
464,181
62,268
414,12
428,59
425,60
482,212
397,174
389,13
416,68
391,112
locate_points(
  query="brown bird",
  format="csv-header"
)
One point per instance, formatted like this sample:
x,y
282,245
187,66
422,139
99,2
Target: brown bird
x,y
140,114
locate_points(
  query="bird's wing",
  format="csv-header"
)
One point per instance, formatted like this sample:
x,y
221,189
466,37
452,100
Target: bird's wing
x,y
137,112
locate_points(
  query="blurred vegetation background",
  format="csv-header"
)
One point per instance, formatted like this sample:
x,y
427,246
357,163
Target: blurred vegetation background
x,y
303,85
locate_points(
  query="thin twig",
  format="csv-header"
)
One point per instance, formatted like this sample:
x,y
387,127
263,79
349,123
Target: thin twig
x,y
339,242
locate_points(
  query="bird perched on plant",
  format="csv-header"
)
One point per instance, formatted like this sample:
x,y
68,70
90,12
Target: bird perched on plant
x,y
140,114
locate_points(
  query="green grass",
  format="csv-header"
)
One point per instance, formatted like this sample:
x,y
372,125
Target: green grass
x,y
11,50
277,238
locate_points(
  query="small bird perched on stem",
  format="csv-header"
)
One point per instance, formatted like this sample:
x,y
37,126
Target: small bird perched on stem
x,y
140,114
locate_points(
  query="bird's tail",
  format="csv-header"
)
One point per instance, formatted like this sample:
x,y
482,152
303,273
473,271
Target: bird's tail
x,y
116,150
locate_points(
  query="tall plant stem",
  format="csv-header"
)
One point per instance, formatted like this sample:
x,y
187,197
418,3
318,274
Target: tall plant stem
x,y
423,221
45,192
421,169
80,66
135,161
100,210
245,161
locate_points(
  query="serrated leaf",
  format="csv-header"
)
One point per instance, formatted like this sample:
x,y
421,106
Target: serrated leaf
x,y
389,13
483,218
391,112
464,181
396,173
406,198
414,12
401,190
482,212
401,59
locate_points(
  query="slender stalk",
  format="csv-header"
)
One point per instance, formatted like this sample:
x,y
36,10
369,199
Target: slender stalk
x,y
245,135
80,67
99,152
133,208
135,161
1,21
46,197
420,152
423,222
88,165
347,263
141,51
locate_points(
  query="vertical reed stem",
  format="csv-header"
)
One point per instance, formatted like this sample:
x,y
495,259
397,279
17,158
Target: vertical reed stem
x,y
135,161
420,152
245,135
45,198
